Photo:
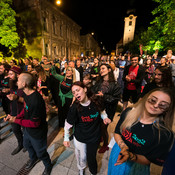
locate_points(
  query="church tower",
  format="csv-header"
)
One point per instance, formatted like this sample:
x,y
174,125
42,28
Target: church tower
x,y
129,29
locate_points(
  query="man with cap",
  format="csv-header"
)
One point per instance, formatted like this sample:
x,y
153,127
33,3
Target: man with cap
x,y
16,105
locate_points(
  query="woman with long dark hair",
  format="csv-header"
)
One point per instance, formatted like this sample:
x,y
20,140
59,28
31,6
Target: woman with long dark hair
x,y
107,88
162,78
85,115
143,134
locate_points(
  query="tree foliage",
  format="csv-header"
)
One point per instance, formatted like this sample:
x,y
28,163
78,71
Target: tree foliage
x,y
8,35
161,34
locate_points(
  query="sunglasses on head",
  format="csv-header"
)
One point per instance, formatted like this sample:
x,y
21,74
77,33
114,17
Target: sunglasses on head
x,y
162,105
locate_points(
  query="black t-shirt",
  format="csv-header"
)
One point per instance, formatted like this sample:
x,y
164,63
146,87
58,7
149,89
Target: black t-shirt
x,y
143,139
80,70
66,85
86,121
35,110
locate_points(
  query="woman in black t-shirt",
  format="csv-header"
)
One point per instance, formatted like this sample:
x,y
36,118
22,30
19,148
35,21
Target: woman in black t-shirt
x,y
142,134
85,115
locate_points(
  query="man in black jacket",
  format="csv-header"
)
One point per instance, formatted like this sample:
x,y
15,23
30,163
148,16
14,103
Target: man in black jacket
x,y
133,76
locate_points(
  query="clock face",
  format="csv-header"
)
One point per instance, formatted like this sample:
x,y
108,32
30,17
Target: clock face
x,y
130,17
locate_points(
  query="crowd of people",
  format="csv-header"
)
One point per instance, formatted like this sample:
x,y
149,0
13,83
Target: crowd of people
x,y
85,92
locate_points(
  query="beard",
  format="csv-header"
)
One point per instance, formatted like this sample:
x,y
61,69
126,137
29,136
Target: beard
x,y
13,83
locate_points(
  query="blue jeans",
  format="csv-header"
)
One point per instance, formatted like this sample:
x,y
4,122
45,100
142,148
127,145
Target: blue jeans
x,y
37,148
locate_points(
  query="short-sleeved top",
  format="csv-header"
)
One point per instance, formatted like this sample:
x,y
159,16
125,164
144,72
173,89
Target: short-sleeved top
x,y
122,63
35,110
86,121
66,85
132,74
143,139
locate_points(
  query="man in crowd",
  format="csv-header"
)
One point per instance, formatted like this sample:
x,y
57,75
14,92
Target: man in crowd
x,y
133,76
33,119
36,62
80,69
77,74
4,86
16,105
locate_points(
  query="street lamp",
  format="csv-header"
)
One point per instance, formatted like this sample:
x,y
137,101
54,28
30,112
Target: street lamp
x,y
58,2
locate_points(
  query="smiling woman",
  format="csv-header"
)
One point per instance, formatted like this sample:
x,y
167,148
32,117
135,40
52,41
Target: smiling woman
x,y
143,134
110,91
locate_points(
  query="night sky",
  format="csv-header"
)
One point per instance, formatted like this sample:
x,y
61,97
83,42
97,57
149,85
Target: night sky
x,y
106,18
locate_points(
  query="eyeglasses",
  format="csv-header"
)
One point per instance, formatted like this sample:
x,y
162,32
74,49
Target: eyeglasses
x,y
162,105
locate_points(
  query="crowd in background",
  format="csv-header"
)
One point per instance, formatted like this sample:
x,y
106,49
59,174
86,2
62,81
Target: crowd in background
x,y
125,78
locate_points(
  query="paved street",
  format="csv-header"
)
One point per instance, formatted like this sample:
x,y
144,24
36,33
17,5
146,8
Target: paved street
x,y
63,158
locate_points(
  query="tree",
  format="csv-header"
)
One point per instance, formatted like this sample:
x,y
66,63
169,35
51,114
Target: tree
x,y
161,34
8,35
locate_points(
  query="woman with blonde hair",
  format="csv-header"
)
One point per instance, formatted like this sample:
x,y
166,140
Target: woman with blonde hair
x,y
143,134
65,93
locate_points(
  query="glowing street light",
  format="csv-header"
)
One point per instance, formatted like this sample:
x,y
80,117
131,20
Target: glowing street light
x,y
92,33
58,2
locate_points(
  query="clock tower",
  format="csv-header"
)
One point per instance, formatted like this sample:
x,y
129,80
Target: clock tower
x,y
129,29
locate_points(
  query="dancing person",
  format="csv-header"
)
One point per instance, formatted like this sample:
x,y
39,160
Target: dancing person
x,y
65,93
33,119
85,115
16,105
107,88
143,134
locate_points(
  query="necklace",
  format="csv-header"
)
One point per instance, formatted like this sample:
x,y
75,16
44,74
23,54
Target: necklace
x,y
143,125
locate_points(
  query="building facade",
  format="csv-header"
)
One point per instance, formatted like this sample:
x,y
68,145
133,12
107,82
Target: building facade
x,y
89,46
60,35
